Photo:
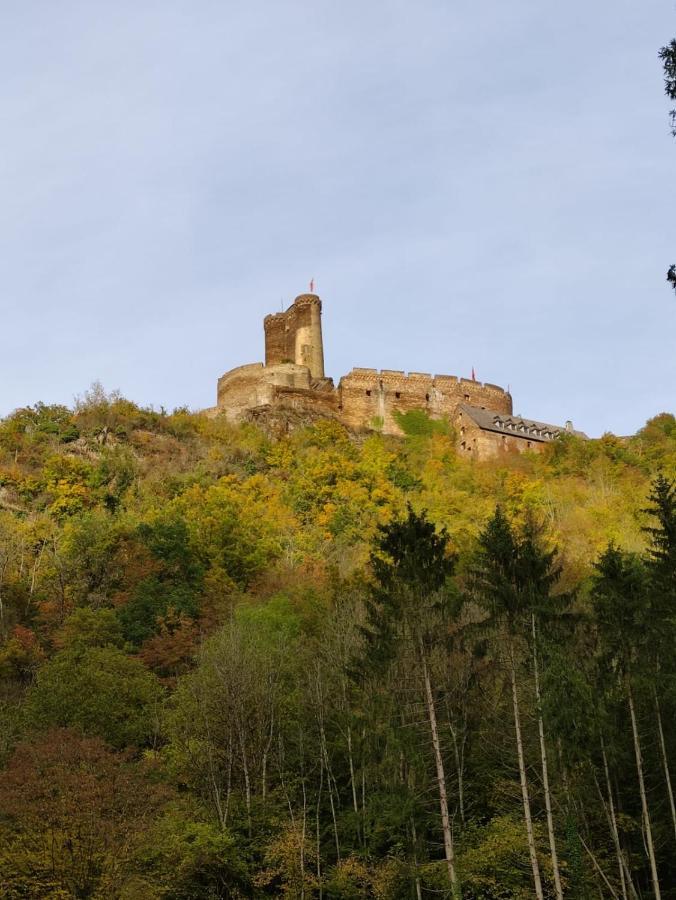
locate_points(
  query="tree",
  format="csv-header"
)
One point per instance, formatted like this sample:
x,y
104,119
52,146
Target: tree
x,y
622,618
661,566
410,564
73,812
668,56
501,587
99,690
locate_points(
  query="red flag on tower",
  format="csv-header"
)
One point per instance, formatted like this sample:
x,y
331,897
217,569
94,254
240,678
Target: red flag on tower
x,y
312,285
473,375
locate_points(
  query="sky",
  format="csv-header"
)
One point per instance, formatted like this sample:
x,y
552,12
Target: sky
x,y
482,184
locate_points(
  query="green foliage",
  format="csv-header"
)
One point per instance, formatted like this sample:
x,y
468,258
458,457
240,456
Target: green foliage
x,y
417,423
99,690
88,627
492,868
188,858
255,618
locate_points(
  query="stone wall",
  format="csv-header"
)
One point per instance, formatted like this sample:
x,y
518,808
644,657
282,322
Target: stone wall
x,y
295,335
484,444
247,387
368,398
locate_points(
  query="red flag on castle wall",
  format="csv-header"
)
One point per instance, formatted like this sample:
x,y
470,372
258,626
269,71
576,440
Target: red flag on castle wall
x,y
312,285
473,375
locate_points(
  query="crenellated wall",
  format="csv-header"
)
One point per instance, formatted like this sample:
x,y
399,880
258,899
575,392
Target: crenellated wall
x,y
367,397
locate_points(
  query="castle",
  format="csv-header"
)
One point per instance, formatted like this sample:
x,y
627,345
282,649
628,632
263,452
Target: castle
x,y
292,379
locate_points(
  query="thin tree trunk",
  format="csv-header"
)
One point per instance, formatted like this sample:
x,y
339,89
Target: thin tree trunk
x,y
247,779
266,751
414,836
318,835
302,841
459,755
644,801
599,871
351,763
625,875
441,778
327,763
350,757
545,774
524,783
665,761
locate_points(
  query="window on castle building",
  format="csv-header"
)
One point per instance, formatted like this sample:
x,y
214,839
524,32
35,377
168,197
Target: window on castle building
x,y
368,393
528,444
397,394
466,396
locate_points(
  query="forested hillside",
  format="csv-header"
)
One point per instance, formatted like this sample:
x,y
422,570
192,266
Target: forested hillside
x,y
235,663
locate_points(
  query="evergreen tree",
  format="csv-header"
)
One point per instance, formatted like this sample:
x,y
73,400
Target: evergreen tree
x,y
411,564
507,597
622,614
668,56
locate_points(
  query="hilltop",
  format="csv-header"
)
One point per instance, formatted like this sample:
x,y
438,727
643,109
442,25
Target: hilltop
x,y
184,600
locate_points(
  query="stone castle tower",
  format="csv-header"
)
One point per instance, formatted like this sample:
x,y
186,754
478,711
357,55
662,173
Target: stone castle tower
x,y
295,336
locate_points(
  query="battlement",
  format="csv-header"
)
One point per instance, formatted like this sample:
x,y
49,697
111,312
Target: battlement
x,y
399,376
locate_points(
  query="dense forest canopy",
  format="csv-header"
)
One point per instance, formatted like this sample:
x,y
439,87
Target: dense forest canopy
x,y
242,663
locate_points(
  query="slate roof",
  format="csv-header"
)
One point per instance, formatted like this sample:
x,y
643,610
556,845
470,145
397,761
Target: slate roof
x,y
501,423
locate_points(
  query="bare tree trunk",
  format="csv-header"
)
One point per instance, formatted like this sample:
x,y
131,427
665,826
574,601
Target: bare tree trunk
x,y
644,801
665,761
327,762
441,778
414,836
350,756
524,782
459,755
302,841
318,833
363,785
625,876
545,773
266,751
599,871
351,763
247,778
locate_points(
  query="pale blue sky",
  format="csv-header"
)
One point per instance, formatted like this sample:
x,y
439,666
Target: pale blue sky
x,y
484,183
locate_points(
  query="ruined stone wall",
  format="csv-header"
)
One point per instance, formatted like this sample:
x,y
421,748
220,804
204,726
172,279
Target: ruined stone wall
x,y
369,398
254,385
296,335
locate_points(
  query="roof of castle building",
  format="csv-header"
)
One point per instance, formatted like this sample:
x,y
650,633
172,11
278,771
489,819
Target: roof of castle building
x,y
489,420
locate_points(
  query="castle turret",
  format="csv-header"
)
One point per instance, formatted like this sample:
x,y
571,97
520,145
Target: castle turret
x,y
295,336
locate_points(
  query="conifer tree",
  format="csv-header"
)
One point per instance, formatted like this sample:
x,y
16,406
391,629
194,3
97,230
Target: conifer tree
x,y
411,564
661,567
498,578
668,56
622,618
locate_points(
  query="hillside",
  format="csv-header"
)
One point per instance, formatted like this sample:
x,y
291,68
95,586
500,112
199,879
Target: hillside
x,y
237,662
